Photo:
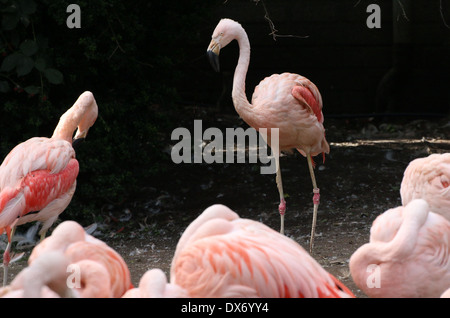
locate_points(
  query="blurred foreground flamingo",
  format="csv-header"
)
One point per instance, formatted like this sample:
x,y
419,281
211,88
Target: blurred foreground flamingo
x,y
153,284
429,179
222,255
103,271
46,278
40,174
287,101
408,254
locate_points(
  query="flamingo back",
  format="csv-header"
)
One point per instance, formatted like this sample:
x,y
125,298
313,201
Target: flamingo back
x,y
293,104
429,179
234,257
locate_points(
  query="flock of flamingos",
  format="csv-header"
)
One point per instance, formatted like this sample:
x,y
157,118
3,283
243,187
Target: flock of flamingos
x,y
221,254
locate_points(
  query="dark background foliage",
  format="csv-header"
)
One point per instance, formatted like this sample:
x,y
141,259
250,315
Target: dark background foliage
x,y
126,53
145,63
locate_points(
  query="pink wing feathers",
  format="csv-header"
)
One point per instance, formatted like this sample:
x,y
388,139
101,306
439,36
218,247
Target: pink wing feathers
x,y
33,174
308,94
222,255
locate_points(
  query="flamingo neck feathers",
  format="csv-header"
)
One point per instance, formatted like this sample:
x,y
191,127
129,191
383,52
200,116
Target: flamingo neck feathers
x,y
67,124
82,113
240,101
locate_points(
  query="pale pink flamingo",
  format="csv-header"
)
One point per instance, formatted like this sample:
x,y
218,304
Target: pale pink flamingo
x,y
429,179
153,284
222,255
408,254
46,278
40,174
110,272
287,101
53,276
446,294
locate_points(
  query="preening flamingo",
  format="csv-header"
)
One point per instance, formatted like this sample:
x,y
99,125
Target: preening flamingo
x,y
40,174
429,179
104,272
408,254
287,101
222,255
46,278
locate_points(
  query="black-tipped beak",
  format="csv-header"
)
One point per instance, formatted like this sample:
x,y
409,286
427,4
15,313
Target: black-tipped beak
x,y
214,60
77,142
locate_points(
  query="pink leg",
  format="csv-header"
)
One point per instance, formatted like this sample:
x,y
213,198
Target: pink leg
x,y
6,260
6,256
316,200
282,206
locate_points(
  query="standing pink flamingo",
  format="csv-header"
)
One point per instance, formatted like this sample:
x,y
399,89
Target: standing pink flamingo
x,y
40,174
287,101
222,255
107,272
408,254
429,179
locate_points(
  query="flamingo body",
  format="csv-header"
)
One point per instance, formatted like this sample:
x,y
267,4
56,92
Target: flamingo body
x,y
37,173
112,278
410,250
429,179
222,255
293,104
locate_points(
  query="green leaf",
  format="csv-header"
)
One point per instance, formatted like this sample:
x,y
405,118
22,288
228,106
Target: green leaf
x,y
24,65
10,62
32,89
40,64
54,76
4,87
28,6
9,21
28,47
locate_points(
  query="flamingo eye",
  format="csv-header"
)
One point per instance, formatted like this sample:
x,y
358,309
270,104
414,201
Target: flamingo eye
x,y
445,184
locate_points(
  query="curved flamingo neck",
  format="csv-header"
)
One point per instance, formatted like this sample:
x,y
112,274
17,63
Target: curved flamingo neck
x,y
67,124
240,101
82,115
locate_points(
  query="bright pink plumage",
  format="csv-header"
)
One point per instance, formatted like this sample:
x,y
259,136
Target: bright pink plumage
x,y
222,255
408,254
39,175
34,174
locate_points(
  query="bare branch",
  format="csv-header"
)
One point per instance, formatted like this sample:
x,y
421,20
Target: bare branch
x,y
403,11
274,31
442,15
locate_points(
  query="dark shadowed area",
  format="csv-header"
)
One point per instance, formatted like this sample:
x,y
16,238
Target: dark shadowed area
x,y
386,102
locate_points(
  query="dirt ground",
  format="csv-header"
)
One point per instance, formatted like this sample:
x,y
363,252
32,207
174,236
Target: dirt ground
x,y
359,180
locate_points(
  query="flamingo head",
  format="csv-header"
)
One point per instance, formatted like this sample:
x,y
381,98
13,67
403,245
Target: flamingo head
x,y
90,114
225,32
